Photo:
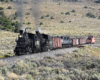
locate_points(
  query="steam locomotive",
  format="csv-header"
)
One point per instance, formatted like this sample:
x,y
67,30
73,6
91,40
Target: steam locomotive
x,y
28,43
31,43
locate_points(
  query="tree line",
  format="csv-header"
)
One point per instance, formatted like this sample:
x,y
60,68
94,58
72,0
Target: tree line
x,y
7,24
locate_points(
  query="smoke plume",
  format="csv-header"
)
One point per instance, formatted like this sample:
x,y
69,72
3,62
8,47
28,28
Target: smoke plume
x,y
35,4
35,10
20,11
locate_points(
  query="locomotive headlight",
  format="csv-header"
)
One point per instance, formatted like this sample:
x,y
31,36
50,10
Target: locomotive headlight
x,y
20,36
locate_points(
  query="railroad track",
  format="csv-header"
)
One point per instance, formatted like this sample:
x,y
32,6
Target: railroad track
x,y
53,53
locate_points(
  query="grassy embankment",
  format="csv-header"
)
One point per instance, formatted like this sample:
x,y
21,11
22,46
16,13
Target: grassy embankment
x,y
81,64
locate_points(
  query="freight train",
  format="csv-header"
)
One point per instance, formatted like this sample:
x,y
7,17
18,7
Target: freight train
x,y
28,43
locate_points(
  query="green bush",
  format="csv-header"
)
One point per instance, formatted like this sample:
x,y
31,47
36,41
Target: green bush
x,y
27,13
98,1
42,17
6,23
29,23
4,70
61,21
52,17
62,13
47,15
85,7
15,17
20,67
99,17
41,23
16,30
73,10
9,7
90,15
67,13
2,13
1,8
33,73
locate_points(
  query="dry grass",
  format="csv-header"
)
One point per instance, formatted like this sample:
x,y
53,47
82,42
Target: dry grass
x,y
12,75
1,77
7,42
2,63
94,51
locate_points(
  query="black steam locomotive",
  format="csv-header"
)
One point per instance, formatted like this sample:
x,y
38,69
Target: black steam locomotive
x,y
31,43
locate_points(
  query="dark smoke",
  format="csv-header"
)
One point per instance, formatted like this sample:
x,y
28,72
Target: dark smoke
x,y
35,11
19,7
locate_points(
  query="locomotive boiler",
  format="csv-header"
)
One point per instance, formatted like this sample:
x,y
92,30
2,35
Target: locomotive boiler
x,y
31,43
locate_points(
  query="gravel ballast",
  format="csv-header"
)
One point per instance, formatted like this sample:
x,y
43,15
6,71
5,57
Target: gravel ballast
x,y
53,53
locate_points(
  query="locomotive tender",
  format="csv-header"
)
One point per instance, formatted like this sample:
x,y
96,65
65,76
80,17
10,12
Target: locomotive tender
x,y
32,43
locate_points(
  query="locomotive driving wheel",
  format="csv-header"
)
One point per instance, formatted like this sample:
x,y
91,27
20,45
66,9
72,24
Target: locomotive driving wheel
x,y
28,50
17,52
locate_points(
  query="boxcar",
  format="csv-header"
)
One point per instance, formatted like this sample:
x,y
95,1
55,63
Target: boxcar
x,y
82,40
90,39
74,42
57,43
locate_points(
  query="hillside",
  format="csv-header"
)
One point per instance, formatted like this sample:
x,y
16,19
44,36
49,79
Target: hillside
x,y
54,17
82,64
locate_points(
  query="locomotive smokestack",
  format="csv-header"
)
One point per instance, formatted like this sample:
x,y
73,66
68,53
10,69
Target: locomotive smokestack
x,y
21,32
37,32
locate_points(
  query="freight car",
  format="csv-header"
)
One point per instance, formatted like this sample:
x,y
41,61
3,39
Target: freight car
x,y
66,41
32,43
90,39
